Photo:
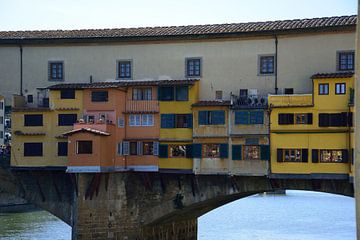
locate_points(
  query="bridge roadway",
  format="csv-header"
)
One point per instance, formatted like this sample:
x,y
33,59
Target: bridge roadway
x,y
149,206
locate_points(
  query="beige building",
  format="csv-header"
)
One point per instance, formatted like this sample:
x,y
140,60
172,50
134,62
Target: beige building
x,y
225,57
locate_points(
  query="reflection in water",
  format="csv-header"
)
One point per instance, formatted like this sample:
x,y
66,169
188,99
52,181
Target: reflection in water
x,y
296,216
37,225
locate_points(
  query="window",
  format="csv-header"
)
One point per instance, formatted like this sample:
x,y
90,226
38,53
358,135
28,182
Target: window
x,y
193,67
135,120
177,151
340,88
332,156
84,147
141,120
211,151
148,148
30,98
267,64
133,148
1,120
346,61
66,119
33,120
285,118
1,105
251,152
166,93
218,95
183,120
292,155
176,120
124,69
33,149
181,93
323,89
303,118
67,93
335,119
289,91
147,120
142,94
62,148
56,71
211,117
99,96
1,134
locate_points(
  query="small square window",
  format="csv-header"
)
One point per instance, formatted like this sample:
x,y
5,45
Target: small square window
x,y
323,89
124,69
193,67
289,91
346,61
142,94
218,95
148,148
267,64
62,148
30,98
84,147
33,120
33,149
67,94
56,71
99,96
340,88
182,93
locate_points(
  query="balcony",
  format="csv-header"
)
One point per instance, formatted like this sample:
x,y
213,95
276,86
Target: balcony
x,y
142,106
293,100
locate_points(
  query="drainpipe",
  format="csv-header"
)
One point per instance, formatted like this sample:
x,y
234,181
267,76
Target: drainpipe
x,y
276,64
21,70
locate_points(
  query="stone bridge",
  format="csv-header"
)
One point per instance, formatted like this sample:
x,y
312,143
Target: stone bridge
x,y
147,206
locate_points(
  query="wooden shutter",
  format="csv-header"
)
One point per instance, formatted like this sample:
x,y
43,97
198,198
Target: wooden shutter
x,y
189,119
167,120
155,148
203,118
241,117
224,150
125,148
309,118
315,155
264,152
139,148
119,148
279,155
290,118
236,152
218,117
197,153
324,120
304,155
189,151
163,151
345,155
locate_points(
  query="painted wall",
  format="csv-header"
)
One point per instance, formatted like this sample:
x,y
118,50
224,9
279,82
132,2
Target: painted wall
x,y
226,65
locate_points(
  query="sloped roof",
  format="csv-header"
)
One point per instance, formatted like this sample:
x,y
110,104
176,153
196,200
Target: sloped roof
x,y
122,83
333,75
211,103
143,33
90,130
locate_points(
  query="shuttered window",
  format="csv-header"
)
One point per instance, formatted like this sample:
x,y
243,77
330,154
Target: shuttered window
x,y
181,93
236,152
264,152
242,117
216,117
34,149
67,93
133,148
84,147
167,120
62,148
177,151
189,151
211,150
335,119
285,118
292,155
224,150
99,96
67,119
163,151
303,118
197,150
33,120
176,120
334,155
166,93
315,155
121,122
256,117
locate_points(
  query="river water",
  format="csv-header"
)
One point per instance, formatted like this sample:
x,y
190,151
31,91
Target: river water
x,y
298,215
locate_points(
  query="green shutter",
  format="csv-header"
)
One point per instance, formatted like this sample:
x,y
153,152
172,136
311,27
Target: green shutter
x,y
203,118
189,120
236,152
279,155
217,117
167,120
241,117
315,155
189,151
163,151
264,152
345,156
304,155
197,150
224,150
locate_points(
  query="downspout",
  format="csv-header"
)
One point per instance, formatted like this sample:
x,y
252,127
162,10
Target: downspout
x,y
21,70
276,64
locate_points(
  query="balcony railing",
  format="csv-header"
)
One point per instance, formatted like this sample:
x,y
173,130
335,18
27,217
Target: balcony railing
x,y
139,106
290,100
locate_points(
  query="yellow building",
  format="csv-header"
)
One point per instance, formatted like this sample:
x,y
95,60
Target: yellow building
x,y
38,142
176,128
310,134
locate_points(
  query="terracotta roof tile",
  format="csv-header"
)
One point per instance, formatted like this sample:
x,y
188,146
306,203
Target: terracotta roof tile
x,y
122,83
314,24
333,75
211,103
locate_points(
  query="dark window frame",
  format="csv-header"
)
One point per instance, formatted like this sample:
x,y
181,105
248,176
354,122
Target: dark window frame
x,y
56,71
99,99
62,148
86,149
63,119
143,96
67,94
124,64
191,71
267,65
29,123
324,84
349,61
31,151
133,151
336,88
